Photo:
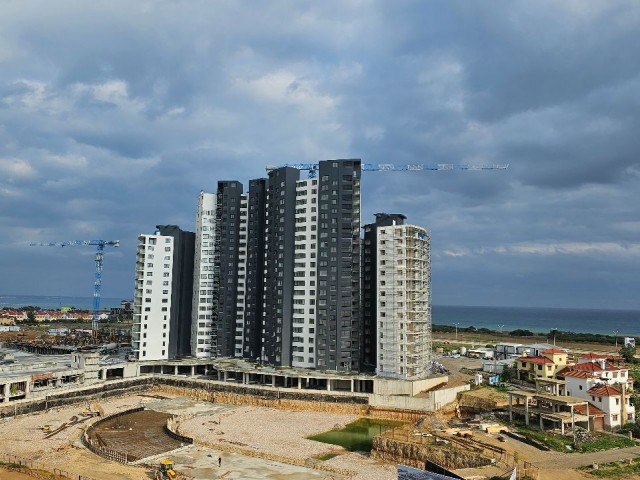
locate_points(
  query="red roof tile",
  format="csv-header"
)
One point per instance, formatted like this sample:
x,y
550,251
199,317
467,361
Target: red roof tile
x,y
593,410
600,356
553,350
604,391
535,360
575,373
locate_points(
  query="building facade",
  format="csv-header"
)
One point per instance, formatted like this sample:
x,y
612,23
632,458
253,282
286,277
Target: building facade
x,y
163,290
397,292
152,297
277,276
203,342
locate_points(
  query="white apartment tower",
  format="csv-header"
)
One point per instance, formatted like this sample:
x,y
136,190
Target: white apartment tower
x,y
152,298
397,297
203,342
304,272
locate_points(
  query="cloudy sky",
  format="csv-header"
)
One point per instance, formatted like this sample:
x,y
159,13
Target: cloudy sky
x,y
114,115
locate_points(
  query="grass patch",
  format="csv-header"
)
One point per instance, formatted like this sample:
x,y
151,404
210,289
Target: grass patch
x,y
614,470
326,456
356,436
599,441
603,441
555,442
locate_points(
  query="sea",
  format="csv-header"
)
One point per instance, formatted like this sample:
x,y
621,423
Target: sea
x,y
55,303
537,320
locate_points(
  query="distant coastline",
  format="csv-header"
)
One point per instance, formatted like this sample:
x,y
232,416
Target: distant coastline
x,y
540,320
56,302
610,323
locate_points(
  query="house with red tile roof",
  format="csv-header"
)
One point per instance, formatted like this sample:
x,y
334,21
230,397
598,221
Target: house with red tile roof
x,y
544,366
605,386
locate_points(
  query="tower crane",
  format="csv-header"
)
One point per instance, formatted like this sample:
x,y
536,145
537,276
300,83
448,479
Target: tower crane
x,y
313,168
100,244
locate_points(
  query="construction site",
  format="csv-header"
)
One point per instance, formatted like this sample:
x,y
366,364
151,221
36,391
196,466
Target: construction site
x,y
221,420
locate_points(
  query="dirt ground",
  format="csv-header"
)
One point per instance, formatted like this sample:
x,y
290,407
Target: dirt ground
x,y
254,429
9,475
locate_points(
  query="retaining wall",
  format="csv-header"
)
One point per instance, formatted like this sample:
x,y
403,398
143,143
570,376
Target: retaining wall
x,y
297,400
105,452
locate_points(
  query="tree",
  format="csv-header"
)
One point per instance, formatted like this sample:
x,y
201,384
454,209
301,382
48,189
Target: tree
x,y
628,352
31,317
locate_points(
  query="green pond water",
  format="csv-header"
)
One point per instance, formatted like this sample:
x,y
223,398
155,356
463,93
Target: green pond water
x,y
356,436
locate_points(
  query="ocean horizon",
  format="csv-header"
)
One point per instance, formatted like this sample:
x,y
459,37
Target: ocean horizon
x,y
537,320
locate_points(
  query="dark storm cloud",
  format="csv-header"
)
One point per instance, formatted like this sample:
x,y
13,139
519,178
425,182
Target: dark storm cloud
x,y
114,115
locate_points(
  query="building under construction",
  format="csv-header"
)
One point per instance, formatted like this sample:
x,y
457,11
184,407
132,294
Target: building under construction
x,y
397,298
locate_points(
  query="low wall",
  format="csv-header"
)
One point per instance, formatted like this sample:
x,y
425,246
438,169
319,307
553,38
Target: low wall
x,y
414,454
77,395
445,396
171,429
390,386
424,404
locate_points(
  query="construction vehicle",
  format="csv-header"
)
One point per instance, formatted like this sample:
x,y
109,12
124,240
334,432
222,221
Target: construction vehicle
x,y
166,471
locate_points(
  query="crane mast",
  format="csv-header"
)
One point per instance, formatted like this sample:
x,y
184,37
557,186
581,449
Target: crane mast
x,y
99,260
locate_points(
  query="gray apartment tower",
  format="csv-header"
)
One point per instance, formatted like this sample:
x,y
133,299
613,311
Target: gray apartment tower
x,y
285,279
338,270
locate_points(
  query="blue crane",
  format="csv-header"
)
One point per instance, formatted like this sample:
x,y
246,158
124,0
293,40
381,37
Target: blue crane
x,y
100,244
312,168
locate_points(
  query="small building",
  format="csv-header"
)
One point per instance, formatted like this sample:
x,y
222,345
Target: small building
x,y
505,350
498,366
536,349
543,366
483,353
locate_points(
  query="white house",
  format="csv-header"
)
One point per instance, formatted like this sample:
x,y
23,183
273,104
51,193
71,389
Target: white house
x,y
604,386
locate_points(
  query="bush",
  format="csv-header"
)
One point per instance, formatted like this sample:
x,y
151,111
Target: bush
x,y
521,333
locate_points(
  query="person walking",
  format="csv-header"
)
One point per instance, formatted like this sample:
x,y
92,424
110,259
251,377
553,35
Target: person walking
x,y
219,462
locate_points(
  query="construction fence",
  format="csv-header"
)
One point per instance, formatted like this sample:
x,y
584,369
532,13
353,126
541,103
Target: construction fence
x,y
36,469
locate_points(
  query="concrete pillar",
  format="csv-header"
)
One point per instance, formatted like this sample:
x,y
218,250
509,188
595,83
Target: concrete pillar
x,y
526,413
175,370
225,375
193,370
541,424
562,427
573,420
588,422
328,384
219,375
352,390
511,408
299,383
5,392
273,380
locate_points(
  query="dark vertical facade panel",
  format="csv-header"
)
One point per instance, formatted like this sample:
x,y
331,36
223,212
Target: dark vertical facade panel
x,y
226,266
179,341
254,284
338,266
369,350
279,262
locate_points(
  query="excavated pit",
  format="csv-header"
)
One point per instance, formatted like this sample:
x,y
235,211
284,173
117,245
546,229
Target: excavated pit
x,y
138,434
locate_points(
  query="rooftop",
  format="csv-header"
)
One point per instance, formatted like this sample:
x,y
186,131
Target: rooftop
x,y
604,391
535,360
